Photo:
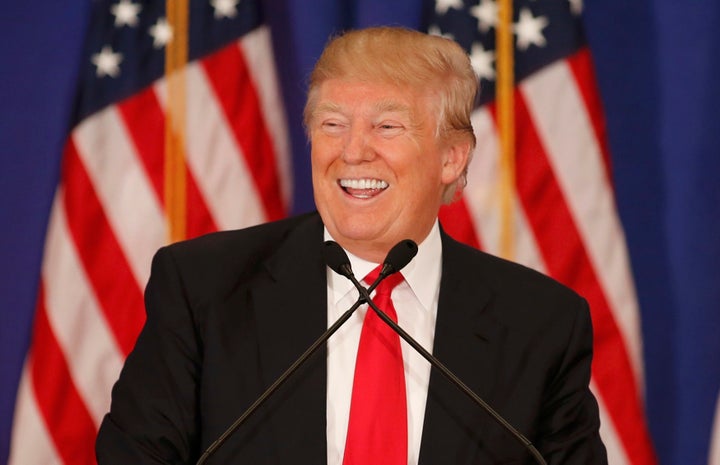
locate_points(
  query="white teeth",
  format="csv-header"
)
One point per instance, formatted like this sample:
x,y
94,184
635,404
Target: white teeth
x,y
363,183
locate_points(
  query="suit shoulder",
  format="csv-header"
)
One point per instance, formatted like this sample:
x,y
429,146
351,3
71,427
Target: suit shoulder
x,y
238,242
217,260
510,281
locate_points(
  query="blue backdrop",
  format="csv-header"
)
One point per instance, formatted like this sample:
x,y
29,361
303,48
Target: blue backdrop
x,y
656,61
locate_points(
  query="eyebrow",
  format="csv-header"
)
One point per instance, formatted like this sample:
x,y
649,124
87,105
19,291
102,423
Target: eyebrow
x,y
391,106
380,107
327,107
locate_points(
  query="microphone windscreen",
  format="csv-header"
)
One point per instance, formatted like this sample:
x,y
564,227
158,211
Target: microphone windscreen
x,y
336,258
400,255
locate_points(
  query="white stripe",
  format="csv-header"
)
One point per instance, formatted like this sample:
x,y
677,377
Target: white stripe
x,y
483,200
87,343
714,454
257,48
132,208
31,442
609,435
560,116
215,158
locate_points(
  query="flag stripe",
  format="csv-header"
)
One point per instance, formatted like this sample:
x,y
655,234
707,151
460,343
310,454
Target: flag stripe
x,y
224,180
132,209
145,122
480,193
199,220
583,72
615,451
588,193
567,260
62,407
228,74
119,295
456,220
482,198
81,331
257,49
215,160
31,441
143,116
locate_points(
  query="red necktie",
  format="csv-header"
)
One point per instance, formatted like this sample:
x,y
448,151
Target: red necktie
x,y
377,428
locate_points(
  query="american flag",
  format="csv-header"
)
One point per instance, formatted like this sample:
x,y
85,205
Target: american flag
x,y
109,213
563,217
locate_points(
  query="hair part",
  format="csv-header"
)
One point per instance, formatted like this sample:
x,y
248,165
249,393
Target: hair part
x,y
406,58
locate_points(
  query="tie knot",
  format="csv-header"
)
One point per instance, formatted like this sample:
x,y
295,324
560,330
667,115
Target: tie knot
x,y
386,285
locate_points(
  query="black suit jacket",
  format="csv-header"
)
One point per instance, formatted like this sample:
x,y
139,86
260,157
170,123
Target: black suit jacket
x,y
229,312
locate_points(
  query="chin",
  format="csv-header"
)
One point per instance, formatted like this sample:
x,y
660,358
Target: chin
x,y
358,229
358,232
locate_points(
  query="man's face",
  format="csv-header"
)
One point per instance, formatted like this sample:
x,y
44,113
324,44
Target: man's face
x,y
378,169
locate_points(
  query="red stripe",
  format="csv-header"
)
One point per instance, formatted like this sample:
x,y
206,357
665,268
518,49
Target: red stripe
x,y
145,122
457,222
232,83
68,421
199,220
567,260
582,68
106,267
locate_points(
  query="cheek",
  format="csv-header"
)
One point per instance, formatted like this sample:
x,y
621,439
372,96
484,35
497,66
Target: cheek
x,y
430,169
323,152
319,158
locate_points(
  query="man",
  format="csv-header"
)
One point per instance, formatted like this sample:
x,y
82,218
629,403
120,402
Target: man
x,y
388,117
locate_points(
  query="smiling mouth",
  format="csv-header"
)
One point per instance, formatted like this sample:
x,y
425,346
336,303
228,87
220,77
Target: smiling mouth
x,y
365,188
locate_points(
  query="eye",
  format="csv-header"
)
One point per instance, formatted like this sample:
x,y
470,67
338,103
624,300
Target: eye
x,y
332,126
390,128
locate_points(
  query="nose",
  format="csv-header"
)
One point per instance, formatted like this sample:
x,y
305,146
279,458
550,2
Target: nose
x,y
357,147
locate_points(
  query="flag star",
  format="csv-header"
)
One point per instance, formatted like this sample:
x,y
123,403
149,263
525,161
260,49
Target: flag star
x,y
225,8
529,29
576,7
161,32
126,13
442,6
107,62
482,61
486,13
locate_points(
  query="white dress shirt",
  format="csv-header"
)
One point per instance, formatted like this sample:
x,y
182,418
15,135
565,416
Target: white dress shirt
x,y
415,302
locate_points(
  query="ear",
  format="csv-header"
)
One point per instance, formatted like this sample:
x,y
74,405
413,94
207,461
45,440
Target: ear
x,y
455,159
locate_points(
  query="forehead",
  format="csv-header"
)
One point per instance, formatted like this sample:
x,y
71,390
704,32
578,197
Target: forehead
x,y
344,96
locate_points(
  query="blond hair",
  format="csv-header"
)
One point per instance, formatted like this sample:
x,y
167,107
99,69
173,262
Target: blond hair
x,y
404,57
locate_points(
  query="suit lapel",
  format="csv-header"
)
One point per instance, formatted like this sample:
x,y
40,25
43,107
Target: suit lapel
x,y
466,341
291,313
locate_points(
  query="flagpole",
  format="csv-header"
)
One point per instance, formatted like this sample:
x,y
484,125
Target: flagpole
x,y
176,57
506,126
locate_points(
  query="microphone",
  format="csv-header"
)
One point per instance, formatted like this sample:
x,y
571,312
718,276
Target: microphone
x,y
336,258
397,258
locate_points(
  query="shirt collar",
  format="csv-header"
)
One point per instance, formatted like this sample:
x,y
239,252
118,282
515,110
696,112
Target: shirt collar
x,y
422,274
